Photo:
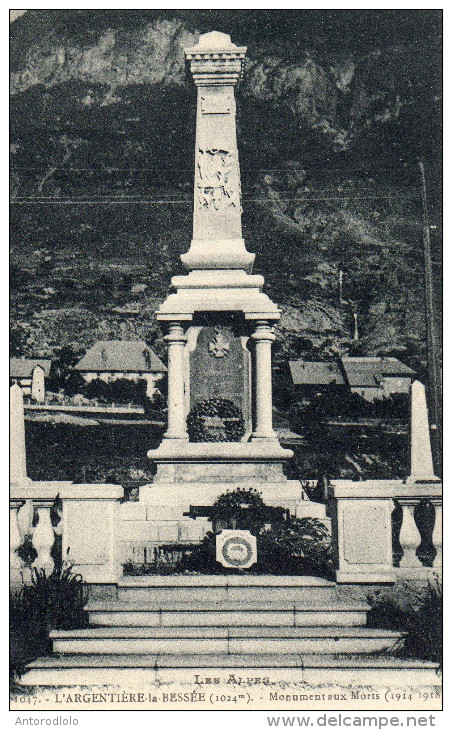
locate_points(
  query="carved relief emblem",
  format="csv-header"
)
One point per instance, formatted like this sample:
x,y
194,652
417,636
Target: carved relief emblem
x,y
215,179
218,345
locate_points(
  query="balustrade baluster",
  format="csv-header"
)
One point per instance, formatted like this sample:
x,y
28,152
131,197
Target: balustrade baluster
x,y
25,518
15,539
409,537
437,536
43,539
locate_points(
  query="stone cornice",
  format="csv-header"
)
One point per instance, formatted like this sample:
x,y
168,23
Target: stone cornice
x,y
216,56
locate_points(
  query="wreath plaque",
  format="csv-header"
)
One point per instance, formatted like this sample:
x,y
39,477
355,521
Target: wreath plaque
x,y
215,419
236,548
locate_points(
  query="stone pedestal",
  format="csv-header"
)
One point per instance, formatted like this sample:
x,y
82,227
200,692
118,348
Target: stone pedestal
x,y
361,519
90,540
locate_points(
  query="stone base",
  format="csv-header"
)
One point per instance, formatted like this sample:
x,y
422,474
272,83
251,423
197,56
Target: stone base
x,y
226,289
171,497
419,479
160,516
369,577
254,462
195,475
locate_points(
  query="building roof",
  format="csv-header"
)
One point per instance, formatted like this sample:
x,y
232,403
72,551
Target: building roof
x,y
120,356
363,374
386,365
367,372
315,373
20,367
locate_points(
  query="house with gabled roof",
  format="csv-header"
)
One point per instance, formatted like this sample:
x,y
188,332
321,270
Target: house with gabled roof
x,y
111,360
373,378
30,375
316,377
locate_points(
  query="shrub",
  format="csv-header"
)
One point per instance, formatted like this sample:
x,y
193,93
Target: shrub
x,y
53,601
289,546
296,546
121,390
124,390
334,404
418,613
162,560
202,558
62,374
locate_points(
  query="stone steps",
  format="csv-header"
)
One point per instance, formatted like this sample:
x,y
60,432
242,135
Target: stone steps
x,y
225,588
161,627
226,613
146,669
224,640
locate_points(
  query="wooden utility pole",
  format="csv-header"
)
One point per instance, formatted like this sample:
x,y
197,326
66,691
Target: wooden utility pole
x,y
434,374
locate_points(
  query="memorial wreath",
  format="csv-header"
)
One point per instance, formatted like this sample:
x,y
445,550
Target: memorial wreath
x,y
225,410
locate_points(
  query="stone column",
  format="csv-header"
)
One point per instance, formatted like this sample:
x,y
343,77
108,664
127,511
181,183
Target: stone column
x,y
18,461
263,337
421,450
176,340
216,65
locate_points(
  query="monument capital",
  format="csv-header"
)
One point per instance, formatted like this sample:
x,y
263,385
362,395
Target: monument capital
x,y
215,60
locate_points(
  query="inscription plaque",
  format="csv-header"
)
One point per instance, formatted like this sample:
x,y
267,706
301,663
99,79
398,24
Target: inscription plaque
x,y
219,368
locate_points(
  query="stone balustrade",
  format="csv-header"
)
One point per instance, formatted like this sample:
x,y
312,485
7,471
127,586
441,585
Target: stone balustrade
x,y
84,515
385,530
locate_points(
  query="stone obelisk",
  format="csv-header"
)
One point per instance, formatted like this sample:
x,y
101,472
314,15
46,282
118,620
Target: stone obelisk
x,y
421,451
216,65
218,323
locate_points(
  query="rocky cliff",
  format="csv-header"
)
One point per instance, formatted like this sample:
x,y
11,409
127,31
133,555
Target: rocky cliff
x,y
335,108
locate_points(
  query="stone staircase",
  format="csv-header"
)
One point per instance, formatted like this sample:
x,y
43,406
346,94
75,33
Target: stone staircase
x,y
157,627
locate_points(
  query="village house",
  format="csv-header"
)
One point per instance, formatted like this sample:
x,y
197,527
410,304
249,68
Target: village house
x,y
110,360
30,375
311,378
372,378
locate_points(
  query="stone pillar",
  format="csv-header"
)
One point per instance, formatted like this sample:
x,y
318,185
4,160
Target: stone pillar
x,y
90,530
216,65
361,531
263,337
18,461
421,450
176,340
38,385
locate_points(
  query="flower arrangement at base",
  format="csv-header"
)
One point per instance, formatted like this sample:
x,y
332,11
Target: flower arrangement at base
x,y
215,419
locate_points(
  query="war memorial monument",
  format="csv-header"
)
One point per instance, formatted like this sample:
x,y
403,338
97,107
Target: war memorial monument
x,y
218,326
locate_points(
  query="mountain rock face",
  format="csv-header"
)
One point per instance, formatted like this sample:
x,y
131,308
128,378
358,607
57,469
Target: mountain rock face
x,y
335,108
